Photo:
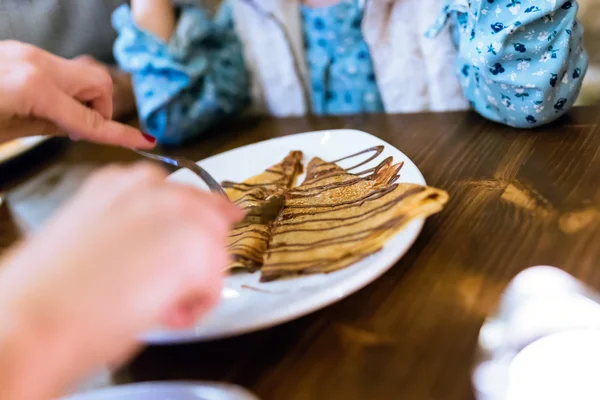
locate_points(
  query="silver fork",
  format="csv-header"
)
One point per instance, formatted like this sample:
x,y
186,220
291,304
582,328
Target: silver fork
x,y
181,162
263,213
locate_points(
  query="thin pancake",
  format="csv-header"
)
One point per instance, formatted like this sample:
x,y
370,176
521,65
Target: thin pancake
x,y
279,176
247,244
336,218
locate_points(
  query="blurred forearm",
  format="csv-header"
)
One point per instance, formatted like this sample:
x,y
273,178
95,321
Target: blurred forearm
x,y
155,16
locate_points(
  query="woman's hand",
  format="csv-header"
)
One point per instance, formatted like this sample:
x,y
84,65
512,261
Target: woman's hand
x,y
129,252
42,94
123,96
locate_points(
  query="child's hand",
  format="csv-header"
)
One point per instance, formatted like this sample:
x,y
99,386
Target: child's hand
x,y
129,252
155,16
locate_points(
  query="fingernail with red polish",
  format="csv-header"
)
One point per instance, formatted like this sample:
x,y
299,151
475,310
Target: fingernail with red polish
x,y
149,138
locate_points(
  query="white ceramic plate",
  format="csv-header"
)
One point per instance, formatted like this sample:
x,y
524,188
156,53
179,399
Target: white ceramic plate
x,y
17,147
263,305
167,391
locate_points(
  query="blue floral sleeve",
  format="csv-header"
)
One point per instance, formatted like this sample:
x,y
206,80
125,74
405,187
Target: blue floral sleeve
x,y
521,62
185,86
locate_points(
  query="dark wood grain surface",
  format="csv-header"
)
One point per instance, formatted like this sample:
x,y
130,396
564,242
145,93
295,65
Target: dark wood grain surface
x,y
518,198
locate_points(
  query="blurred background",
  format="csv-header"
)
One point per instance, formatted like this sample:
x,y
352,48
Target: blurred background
x,y
589,14
67,32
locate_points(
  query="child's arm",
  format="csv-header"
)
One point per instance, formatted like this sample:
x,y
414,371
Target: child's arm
x,y
155,16
521,62
187,81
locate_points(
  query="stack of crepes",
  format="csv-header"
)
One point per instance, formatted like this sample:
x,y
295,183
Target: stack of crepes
x,y
332,220
248,243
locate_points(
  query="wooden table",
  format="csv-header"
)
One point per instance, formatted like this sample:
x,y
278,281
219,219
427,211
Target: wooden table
x,y
518,198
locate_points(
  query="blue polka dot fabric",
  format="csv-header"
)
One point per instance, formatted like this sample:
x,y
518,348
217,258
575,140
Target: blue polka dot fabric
x,y
340,68
520,62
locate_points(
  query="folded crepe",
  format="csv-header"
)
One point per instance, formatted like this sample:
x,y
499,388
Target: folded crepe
x,y
336,218
248,243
